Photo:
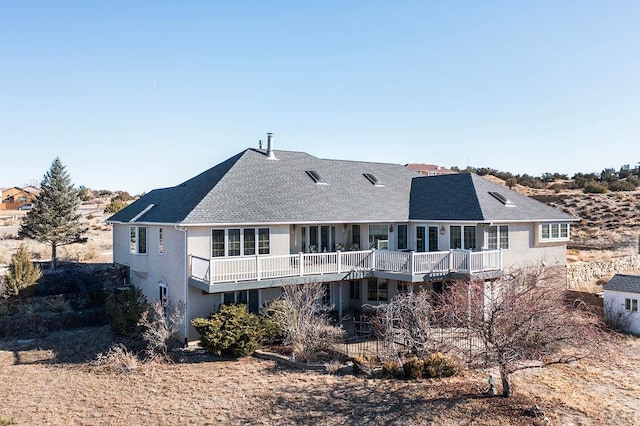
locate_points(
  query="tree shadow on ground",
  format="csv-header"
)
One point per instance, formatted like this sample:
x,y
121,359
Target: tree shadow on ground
x,y
70,346
352,400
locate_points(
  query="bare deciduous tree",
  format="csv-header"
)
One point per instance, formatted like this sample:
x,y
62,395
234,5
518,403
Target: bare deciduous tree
x,y
304,320
405,321
522,320
160,325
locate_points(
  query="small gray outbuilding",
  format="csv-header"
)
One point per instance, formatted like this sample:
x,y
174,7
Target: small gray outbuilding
x,y
621,297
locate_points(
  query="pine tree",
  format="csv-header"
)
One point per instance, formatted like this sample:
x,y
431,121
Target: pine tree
x,y
22,273
54,219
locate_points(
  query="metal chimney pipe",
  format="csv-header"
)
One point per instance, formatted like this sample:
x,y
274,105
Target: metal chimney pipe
x,y
270,153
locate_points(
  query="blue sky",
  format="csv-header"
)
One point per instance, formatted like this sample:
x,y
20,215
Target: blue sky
x,y
140,95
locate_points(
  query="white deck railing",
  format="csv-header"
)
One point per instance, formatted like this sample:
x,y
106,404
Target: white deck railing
x,y
256,268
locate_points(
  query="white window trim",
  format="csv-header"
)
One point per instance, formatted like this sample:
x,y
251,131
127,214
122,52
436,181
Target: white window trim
x,y
550,238
134,245
498,245
226,241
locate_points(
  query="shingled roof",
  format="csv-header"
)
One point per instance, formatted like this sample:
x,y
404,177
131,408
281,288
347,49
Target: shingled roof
x,y
469,197
624,283
250,188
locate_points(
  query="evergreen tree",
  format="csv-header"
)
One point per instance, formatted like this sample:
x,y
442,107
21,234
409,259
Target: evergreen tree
x,y
54,219
22,273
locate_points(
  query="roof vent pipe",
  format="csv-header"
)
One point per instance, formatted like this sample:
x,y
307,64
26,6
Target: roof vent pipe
x,y
270,153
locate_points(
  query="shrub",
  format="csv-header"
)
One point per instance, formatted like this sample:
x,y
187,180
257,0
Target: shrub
x,y
125,308
60,306
413,368
115,206
622,185
117,360
23,274
363,365
438,365
593,187
391,369
306,327
7,421
160,326
231,331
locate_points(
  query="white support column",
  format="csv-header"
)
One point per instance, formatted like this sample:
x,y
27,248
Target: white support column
x,y
301,263
340,302
339,261
257,268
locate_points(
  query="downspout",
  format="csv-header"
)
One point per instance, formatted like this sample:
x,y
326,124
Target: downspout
x,y
186,285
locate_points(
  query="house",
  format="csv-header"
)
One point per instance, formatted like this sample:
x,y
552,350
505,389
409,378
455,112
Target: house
x,y
13,198
429,169
264,219
621,296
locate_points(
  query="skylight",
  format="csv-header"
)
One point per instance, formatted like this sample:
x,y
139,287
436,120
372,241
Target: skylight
x,y
504,200
373,179
317,177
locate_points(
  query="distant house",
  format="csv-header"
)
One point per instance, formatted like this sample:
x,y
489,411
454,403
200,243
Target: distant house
x,y
265,219
14,197
621,297
429,169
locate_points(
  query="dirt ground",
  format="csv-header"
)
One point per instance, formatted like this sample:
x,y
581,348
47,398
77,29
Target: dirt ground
x,y
50,381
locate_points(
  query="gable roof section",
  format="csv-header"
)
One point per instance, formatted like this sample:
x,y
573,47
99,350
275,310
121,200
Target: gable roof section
x,y
467,197
173,205
250,188
624,283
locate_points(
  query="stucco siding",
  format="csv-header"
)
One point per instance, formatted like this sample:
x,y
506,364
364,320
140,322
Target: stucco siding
x,y
523,252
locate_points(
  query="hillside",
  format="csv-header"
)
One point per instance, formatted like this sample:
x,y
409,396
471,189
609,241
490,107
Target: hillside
x,y
608,222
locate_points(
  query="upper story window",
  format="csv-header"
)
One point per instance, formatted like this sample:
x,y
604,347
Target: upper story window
x,y
498,237
160,241
379,236
554,232
402,237
462,237
240,242
138,243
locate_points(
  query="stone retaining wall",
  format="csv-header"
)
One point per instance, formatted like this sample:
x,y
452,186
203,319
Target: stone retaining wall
x,y
581,274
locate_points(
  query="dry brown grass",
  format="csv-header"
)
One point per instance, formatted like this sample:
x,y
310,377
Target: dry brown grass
x,y
52,381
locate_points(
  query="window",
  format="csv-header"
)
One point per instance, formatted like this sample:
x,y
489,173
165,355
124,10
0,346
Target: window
x,y
500,197
303,239
264,246
249,242
316,177
160,242
554,232
420,238
402,237
138,240
498,237
162,295
373,179
233,248
405,287
239,242
378,236
456,240
354,290
355,231
377,290
433,238
217,243
631,305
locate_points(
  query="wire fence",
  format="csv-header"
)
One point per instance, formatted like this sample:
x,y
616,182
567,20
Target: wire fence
x,y
455,341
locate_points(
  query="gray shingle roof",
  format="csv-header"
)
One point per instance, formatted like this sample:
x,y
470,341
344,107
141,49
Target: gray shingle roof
x,y
468,196
625,283
249,188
